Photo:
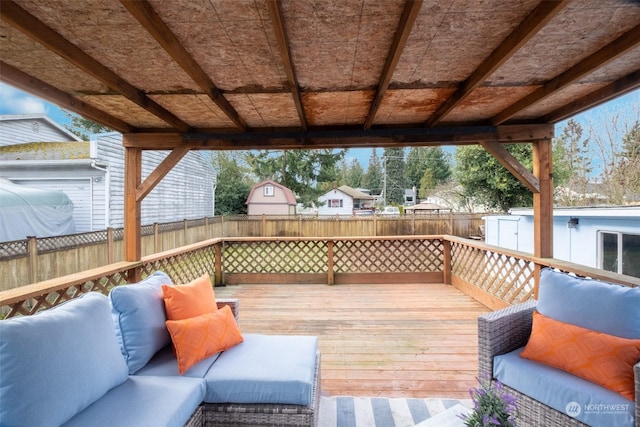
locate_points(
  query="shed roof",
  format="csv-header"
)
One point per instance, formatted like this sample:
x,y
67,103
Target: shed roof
x,y
46,151
288,194
270,74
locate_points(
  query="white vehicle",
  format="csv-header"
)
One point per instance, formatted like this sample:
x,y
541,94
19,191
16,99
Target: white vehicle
x,y
390,210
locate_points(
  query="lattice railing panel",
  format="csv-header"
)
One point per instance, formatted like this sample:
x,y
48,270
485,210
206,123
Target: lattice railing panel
x,y
275,257
508,278
388,256
47,300
186,266
18,248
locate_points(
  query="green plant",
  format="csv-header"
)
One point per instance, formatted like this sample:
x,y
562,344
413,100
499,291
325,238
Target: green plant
x,y
492,406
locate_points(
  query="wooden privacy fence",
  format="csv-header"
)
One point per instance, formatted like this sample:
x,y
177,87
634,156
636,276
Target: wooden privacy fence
x,y
36,259
494,276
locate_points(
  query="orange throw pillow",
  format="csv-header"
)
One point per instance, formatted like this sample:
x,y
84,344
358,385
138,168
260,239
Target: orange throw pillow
x,y
604,359
202,336
190,300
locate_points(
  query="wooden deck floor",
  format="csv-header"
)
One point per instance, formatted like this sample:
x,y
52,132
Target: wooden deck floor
x,y
416,340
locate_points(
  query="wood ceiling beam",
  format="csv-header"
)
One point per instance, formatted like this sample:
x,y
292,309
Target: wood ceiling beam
x,y
526,177
607,93
340,138
38,31
285,54
160,172
144,13
591,63
27,83
407,20
531,25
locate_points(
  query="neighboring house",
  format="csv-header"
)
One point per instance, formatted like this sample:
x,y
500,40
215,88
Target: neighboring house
x,y
344,200
606,237
21,128
270,198
92,175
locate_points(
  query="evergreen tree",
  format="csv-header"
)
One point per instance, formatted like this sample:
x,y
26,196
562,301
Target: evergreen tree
x,y
577,159
373,178
354,174
415,166
232,188
394,173
487,182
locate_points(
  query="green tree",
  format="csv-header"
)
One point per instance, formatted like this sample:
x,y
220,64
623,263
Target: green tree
x,y
373,178
629,167
233,186
572,161
415,166
82,127
353,174
487,182
308,173
394,173
426,168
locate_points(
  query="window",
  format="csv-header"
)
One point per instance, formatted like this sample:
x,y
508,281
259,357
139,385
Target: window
x,y
335,203
619,252
268,190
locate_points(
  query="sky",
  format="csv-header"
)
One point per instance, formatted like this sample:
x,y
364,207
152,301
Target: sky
x,y
15,101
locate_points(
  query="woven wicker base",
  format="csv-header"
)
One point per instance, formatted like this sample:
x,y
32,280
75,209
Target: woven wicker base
x,y
254,415
197,419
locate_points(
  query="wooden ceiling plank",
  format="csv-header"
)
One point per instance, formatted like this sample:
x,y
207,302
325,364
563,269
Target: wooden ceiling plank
x,y
160,172
144,13
613,90
285,54
526,177
594,61
531,25
407,20
38,31
23,81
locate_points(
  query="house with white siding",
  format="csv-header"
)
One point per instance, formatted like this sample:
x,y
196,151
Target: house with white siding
x,y
21,128
91,173
600,237
344,200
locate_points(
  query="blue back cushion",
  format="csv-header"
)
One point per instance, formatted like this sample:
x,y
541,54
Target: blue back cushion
x,y
56,363
139,316
599,306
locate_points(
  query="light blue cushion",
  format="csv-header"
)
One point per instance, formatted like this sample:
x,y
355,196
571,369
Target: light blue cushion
x,y
56,363
599,306
145,401
164,363
139,315
265,369
563,391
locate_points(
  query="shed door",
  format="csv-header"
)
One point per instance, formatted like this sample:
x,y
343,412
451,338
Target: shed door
x,y
78,190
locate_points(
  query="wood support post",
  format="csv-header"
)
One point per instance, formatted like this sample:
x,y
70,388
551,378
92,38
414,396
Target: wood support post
x,y
542,205
132,224
217,277
446,262
330,276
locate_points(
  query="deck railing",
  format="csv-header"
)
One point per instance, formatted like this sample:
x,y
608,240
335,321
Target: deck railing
x,y
494,276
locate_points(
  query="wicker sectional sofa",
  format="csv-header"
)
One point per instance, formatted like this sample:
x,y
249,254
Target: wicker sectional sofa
x,y
107,361
548,396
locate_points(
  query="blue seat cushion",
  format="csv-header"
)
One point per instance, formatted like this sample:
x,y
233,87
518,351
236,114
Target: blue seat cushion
x,y
564,392
139,316
145,401
165,363
579,301
56,363
265,369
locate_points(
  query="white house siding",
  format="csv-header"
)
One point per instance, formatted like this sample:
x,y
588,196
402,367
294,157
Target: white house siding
x,y
579,245
18,129
185,193
335,194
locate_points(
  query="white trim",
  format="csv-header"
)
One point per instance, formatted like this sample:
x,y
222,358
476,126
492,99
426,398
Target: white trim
x,y
617,211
